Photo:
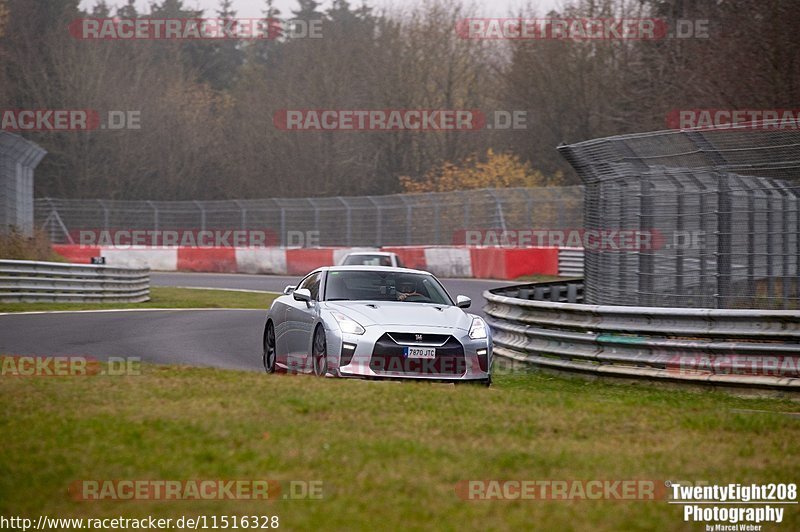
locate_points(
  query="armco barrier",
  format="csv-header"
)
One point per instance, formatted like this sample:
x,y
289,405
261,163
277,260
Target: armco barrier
x,y
547,326
570,262
444,261
29,281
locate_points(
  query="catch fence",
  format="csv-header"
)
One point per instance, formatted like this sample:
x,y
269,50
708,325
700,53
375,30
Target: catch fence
x,y
722,207
440,218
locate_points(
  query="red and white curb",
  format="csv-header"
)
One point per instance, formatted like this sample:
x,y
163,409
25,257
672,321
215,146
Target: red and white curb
x,y
443,261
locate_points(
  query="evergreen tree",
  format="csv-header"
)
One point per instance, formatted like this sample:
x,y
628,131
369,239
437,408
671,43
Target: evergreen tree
x,y
307,10
101,9
128,11
226,56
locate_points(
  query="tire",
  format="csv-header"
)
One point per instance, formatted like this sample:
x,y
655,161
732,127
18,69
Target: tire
x,y
269,355
319,353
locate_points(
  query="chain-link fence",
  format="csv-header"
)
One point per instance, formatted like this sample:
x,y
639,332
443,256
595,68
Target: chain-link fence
x,y
401,219
722,208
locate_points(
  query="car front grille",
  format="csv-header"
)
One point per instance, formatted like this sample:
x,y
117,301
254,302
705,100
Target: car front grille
x,y
388,356
417,339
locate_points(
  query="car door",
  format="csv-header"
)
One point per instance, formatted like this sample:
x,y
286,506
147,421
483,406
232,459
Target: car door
x,y
300,319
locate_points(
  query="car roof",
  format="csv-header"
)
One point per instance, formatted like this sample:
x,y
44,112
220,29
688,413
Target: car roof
x,y
386,253
370,269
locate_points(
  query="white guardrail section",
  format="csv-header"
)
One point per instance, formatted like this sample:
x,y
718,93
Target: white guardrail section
x,y
570,262
29,281
547,326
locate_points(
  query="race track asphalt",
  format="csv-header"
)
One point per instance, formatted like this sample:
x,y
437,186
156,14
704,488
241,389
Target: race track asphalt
x,y
225,338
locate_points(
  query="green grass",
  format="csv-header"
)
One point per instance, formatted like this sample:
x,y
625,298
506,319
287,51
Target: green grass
x,y
389,454
162,297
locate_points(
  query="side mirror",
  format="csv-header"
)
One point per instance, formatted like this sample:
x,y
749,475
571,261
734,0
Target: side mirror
x,y
302,294
288,290
463,302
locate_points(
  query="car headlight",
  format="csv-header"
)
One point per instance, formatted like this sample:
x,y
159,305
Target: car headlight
x,y
477,330
347,325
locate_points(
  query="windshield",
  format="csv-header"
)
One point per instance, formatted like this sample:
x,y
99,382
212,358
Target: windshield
x,y
367,260
385,286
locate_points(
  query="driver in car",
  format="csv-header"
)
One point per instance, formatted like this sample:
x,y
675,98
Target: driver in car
x,y
405,290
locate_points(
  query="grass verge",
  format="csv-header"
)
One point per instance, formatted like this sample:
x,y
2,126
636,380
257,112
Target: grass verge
x,y
389,454
162,297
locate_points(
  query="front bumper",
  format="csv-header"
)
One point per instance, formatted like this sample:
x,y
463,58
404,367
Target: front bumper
x,y
378,354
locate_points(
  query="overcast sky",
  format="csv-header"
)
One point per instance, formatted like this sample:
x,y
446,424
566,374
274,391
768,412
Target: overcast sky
x,y
253,8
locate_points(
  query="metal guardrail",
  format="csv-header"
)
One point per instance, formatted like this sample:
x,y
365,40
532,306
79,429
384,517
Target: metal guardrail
x,y
570,262
29,281
546,325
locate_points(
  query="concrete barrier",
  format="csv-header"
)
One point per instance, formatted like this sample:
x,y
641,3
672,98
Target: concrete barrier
x,y
261,260
163,259
218,260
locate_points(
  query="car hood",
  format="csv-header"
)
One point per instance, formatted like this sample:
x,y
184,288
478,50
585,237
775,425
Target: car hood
x,y
397,313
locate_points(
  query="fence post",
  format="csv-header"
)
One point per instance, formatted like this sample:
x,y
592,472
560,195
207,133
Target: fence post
x,y
349,220
529,209
436,224
770,247
751,243
498,209
202,215
378,216
724,241
105,214
466,206
408,218
155,215
316,215
646,262
283,226
785,232
243,213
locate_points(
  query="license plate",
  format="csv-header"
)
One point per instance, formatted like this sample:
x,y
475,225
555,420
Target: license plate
x,y
420,352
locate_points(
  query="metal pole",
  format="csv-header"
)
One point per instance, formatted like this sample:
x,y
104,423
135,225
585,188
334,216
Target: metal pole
x,y
202,215
243,212
105,214
680,196
316,214
155,215
404,199
770,247
378,216
349,220
724,242
466,203
498,208
646,272
783,189
436,222
529,209
283,226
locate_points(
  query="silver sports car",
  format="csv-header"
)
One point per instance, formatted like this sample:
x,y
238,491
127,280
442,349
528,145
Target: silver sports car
x,y
376,322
